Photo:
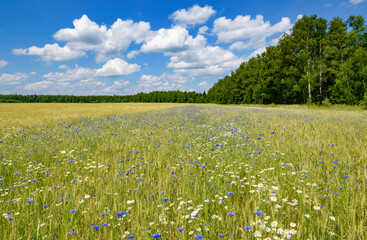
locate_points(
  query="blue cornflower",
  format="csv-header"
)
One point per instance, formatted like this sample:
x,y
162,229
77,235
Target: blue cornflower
x,y
221,235
247,228
199,236
73,233
156,235
258,213
62,199
230,193
120,213
164,199
97,227
45,206
230,214
181,229
72,210
30,200
104,224
131,237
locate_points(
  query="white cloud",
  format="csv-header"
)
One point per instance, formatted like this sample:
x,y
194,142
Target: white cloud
x,y
14,79
39,85
63,66
247,33
299,16
164,82
133,54
355,2
114,67
203,30
117,86
202,60
51,52
193,16
88,35
117,67
3,63
167,40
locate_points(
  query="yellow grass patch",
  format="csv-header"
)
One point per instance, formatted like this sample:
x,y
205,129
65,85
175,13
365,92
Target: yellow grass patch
x,y
17,114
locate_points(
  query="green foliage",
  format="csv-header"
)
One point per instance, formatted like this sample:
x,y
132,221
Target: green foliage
x,y
316,61
326,103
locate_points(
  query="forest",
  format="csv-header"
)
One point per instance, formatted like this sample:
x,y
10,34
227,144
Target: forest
x,y
316,62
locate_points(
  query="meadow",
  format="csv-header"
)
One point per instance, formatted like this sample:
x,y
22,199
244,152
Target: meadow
x,y
184,172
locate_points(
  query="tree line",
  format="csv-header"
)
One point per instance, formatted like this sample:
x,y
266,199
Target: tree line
x,y
156,96
316,62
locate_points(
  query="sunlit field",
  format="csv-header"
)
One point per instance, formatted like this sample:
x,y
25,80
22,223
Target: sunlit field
x,y
21,114
188,172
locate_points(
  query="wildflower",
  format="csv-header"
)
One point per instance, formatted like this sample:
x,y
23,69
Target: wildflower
x,y
30,200
317,208
131,237
332,218
293,225
274,224
156,235
307,215
164,199
181,229
199,236
258,213
96,227
87,196
119,214
72,210
104,224
73,233
257,234
273,199
221,235
247,228
230,214
230,193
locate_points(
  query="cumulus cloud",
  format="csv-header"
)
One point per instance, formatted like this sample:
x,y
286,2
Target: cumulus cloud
x,y
203,30
193,16
164,82
247,33
117,67
14,79
88,35
117,86
355,2
167,40
51,52
200,59
112,68
63,66
39,85
3,63
132,54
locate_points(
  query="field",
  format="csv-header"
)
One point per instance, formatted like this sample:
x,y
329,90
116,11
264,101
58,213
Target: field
x,y
185,172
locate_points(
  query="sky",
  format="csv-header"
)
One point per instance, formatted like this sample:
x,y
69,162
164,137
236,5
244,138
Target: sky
x,y
111,47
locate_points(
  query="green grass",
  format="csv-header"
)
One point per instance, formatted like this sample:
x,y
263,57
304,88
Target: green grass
x,y
183,161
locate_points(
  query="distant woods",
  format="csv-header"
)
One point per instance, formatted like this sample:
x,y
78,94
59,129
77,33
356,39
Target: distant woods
x,y
316,62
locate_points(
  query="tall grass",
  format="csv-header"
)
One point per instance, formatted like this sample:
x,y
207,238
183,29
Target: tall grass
x,y
190,172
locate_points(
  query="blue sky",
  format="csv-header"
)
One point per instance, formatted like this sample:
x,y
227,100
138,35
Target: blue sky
x,y
115,47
